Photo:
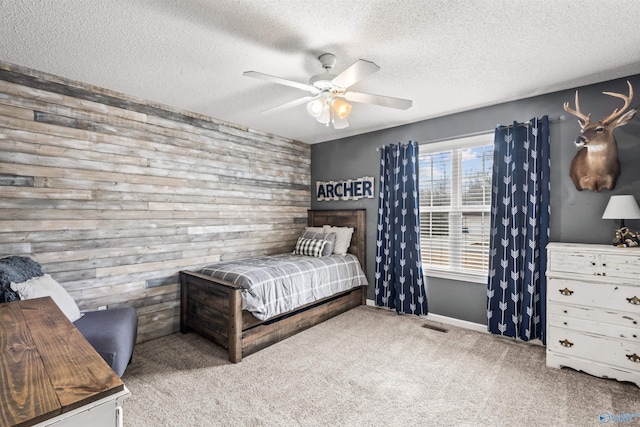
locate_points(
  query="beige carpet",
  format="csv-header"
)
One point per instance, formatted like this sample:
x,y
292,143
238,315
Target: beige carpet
x,y
366,367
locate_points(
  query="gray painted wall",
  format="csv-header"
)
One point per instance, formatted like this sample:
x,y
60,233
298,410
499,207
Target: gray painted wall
x,y
575,216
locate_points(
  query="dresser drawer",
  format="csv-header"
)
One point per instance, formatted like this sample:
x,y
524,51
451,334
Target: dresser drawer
x,y
572,262
593,322
621,265
599,261
614,352
601,295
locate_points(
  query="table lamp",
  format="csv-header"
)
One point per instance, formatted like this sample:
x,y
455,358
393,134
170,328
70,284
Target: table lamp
x,y
622,207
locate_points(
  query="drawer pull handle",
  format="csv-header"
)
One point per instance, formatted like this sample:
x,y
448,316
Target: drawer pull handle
x,y
635,300
565,291
567,343
633,357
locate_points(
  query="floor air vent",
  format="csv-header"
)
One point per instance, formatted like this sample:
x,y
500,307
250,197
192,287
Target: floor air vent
x,y
435,327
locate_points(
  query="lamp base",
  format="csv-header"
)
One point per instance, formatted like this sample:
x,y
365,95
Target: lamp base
x,y
626,238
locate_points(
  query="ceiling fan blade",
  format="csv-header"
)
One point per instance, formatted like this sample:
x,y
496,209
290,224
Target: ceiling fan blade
x,y
385,101
279,80
290,104
339,123
354,73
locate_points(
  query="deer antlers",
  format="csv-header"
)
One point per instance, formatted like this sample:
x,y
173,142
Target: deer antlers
x,y
617,113
584,119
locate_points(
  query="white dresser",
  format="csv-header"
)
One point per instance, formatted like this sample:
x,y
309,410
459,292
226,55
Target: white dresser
x,y
593,309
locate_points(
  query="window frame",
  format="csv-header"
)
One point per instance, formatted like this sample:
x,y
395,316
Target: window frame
x,y
453,144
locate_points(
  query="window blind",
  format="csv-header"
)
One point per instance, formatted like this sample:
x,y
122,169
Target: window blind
x,y
455,202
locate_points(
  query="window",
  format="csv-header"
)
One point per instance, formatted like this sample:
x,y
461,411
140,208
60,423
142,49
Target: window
x,y
455,203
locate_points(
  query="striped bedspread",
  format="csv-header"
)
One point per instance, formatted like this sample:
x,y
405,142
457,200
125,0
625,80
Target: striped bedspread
x,y
276,284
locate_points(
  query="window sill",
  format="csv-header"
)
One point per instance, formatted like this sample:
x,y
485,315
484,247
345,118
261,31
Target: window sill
x,y
456,275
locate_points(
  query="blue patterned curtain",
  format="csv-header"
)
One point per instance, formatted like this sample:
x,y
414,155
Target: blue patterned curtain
x,y
516,290
398,279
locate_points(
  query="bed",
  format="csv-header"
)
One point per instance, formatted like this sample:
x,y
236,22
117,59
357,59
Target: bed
x,y
212,307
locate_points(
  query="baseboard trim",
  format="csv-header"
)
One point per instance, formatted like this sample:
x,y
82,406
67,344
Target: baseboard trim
x,y
457,322
448,320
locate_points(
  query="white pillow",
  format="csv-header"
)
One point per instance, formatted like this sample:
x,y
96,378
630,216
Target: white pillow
x,y
46,286
343,238
315,229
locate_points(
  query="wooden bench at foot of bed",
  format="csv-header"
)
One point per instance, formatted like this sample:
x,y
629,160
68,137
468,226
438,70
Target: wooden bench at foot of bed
x,y
213,308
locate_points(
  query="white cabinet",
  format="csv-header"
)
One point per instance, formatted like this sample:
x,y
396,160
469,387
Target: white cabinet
x,y
105,412
593,309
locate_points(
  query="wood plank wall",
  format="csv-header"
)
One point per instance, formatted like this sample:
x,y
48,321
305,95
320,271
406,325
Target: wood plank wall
x,y
114,195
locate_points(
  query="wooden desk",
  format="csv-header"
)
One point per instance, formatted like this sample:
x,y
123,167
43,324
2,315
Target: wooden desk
x,y
48,371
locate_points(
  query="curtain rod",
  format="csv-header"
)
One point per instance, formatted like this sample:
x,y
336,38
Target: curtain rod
x,y
482,132
528,122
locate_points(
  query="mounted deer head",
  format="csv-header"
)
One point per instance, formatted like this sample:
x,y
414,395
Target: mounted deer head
x,y
596,164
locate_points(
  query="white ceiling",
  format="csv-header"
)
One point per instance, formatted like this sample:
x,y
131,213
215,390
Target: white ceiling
x,y
445,55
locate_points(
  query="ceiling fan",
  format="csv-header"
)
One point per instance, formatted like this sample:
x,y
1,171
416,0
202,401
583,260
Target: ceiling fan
x,y
326,103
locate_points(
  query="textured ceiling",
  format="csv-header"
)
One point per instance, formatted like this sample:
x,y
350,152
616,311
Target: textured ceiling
x,y
445,55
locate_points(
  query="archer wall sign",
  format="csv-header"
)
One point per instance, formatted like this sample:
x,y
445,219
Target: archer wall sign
x,y
350,189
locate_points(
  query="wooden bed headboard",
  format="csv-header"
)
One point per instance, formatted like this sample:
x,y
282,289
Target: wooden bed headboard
x,y
355,218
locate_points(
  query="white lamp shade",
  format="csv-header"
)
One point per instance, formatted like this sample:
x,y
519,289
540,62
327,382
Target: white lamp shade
x,y
339,123
325,115
622,207
315,108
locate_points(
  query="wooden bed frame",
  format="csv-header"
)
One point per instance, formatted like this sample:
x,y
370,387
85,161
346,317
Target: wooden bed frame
x,y
213,308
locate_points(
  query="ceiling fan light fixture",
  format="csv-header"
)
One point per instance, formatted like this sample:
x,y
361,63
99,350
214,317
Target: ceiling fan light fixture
x,y
329,93
339,123
325,116
315,108
341,108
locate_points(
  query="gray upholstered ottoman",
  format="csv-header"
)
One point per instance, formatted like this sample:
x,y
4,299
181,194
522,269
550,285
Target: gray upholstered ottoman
x,y
112,332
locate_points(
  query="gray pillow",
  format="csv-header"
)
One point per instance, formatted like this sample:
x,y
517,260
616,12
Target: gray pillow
x,y
330,238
